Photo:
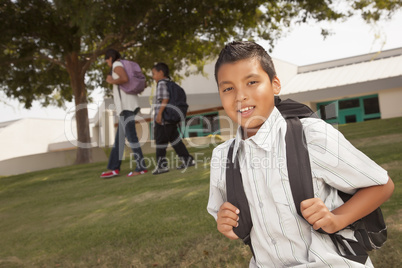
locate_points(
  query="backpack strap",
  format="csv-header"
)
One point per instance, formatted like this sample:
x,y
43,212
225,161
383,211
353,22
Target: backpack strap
x,y
301,185
297,157
237,197
349,248
298,163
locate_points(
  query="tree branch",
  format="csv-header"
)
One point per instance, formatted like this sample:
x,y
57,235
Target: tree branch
x,y
31,58
57,62
91,57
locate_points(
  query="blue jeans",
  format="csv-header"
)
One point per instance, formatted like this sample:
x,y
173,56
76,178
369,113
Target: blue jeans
x,y
126,128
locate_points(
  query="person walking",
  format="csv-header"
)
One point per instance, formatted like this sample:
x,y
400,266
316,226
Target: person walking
x,y
126,107
164,130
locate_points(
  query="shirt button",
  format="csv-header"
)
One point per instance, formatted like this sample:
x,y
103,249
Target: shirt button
x,y
261,204
273,241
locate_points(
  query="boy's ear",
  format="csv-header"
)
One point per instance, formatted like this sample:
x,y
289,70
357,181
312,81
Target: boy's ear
x,y
276,85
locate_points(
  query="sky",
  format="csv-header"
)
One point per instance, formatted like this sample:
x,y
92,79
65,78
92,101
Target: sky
x,y
302,45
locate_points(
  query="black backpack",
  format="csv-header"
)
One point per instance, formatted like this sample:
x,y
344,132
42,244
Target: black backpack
x,y
370,231
176,109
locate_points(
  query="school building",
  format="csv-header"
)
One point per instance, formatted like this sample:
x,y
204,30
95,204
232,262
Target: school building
x,y
353,89
348,90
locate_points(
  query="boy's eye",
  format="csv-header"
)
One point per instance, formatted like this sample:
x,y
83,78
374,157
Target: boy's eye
x,y
252,82
227,89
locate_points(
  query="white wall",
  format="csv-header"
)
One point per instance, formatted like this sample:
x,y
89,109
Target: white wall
x,y
285,71
390,103
44,161
32,136
199,84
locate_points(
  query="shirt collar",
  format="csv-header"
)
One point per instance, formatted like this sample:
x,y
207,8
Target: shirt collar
x,y
265,135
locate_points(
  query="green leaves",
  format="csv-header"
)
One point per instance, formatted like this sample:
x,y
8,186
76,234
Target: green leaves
x,y
177,32
52,50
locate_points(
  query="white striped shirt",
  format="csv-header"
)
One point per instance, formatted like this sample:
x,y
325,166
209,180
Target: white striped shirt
x,y
280,237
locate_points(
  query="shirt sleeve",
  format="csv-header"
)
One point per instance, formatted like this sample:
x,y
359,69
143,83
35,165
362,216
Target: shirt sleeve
x,y
162,92
116,64
217,189
337,161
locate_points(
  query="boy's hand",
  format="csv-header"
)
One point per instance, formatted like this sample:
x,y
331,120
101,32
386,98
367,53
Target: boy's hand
x,y
318,215
109,79
227,219
159,118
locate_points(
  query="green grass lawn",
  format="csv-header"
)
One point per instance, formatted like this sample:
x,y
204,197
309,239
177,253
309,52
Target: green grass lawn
x,y
69,217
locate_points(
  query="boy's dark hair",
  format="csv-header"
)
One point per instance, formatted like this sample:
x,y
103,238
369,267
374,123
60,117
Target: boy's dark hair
x,y
236,51
160,66
114,54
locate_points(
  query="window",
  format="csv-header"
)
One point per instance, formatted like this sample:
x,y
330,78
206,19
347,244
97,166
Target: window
x,y
347,104
210,123
371,105
350,119
193,121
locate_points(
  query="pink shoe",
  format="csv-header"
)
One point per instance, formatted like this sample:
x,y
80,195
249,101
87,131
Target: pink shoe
x,y
110,174
135,173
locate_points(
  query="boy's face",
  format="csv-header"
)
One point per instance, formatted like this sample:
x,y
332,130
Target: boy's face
x,y
247,93
157,75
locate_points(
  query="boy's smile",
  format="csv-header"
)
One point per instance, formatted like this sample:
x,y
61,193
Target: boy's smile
x,y
246,111
247,93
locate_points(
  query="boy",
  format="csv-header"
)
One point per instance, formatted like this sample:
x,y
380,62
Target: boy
x,y
247,83
164,131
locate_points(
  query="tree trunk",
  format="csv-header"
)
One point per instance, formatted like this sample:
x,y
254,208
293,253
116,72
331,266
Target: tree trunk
x,y
77,76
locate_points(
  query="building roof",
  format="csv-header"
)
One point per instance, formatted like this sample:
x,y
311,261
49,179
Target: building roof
x,y
3,125
385,67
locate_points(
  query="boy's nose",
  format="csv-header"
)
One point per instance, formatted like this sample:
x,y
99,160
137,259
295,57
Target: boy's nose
x,y
241,95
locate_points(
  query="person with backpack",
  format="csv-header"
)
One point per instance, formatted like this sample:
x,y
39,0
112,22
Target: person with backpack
x,y
259,160
127,107
168,110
